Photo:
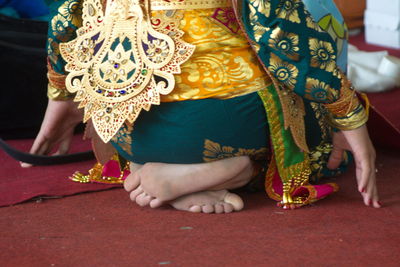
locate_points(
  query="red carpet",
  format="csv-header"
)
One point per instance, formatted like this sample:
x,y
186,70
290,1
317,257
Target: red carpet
x,y
106,229
18,184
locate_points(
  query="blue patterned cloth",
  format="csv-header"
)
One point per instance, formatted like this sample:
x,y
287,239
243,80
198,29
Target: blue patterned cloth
x,y
330,19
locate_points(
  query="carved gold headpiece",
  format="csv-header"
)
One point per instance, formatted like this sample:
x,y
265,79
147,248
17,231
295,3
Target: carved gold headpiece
x,y
120,63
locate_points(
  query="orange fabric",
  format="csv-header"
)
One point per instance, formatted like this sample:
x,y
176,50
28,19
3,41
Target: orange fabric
x,y
352,11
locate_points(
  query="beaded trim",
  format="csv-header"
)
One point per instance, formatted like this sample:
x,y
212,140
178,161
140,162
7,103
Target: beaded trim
x,y
188,4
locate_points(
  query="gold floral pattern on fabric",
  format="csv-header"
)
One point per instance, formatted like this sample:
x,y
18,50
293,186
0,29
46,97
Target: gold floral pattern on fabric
x,y
323,55
63,27
258,29
223,64
338,31
320,114
319,90
123,138
316,159
71,11
319,158
311,23
214,151
263,6
226,16
285,72
288,10
286,42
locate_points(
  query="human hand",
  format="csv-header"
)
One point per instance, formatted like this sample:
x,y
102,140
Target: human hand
x,y
57,128
358,142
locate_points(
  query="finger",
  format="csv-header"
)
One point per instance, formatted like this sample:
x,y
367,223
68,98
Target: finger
x,y
369,190
364,172
375,198
64,147
335,158
44,149
25,165
40,145
368,180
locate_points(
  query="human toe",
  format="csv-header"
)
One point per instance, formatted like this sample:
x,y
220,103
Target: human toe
x,y
135,193
228,208
143,199
131,182
234,200
207,208
219,208
155,203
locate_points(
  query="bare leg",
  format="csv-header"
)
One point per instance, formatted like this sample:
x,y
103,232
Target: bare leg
x,y
157,183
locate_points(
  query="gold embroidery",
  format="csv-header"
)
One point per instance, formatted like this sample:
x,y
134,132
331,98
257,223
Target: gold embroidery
x,y
227,18
288,43
119,64
311,23
188,4
123,138
322,55
269,178
353,120
346,113
285,72
317,90
263,6
71,11
319,158
214,151
96,174
56,80
320,114
346,102
258,29
223,64
288,10
287,173
57,94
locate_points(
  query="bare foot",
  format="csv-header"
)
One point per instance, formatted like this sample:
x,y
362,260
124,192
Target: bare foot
x,y
220,201
161,182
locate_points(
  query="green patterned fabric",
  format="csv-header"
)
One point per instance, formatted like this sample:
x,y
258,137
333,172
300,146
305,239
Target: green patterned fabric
x,y
296,51
66,19
196,131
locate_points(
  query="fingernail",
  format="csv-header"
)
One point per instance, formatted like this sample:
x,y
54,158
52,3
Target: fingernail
x,y
363,190
370,202
379,203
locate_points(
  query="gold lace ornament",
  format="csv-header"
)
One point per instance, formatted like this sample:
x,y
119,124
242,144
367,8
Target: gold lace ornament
x,y
119,63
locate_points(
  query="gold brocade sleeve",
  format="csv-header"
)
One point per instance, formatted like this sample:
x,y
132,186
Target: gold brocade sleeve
x,y
347,113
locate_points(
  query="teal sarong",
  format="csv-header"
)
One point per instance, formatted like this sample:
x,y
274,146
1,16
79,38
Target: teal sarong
x,y
196,131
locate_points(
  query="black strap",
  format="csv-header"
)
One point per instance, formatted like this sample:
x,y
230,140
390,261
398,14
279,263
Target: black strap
x,y
45,160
